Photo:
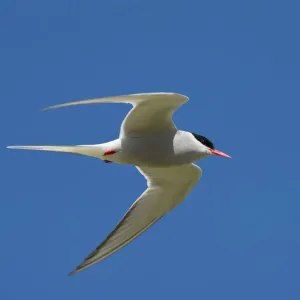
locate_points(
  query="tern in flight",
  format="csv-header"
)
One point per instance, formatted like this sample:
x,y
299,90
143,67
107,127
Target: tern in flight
x,y
164,155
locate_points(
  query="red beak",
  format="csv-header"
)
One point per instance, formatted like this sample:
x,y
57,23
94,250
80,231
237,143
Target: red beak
x,y
219,153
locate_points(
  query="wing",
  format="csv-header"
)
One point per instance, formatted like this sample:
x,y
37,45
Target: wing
x,y
167,187
150,113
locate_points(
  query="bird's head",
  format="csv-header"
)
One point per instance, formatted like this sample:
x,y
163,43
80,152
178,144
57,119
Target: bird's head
x,y
208,146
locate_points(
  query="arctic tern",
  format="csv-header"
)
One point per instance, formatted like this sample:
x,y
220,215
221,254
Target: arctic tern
x,y
164,155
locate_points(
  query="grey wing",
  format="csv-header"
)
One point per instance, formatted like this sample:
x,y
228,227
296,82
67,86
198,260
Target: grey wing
x,y
151,112
167,187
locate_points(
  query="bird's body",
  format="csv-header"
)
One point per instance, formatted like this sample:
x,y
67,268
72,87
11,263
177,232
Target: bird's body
x,y
165,155
165,149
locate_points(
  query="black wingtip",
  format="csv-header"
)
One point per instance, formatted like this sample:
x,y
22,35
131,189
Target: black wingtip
x,y
73,272
76,270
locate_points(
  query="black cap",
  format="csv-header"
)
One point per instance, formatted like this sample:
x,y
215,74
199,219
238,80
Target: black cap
x,y
205,141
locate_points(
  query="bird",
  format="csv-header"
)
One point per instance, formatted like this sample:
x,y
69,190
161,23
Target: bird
x,y
163,154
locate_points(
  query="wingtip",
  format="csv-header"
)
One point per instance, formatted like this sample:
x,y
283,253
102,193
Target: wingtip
x,y
46,108
77,270
53,106
72,273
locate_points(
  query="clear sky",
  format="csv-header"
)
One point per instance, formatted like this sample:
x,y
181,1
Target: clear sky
x,y
236,236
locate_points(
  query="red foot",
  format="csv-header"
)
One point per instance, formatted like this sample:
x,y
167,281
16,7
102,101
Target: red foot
x,y
109,152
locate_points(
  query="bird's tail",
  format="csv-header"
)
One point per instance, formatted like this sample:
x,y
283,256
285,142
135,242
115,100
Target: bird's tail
x,y
89,150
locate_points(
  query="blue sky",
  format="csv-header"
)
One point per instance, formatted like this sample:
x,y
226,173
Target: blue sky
x,y
236,236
